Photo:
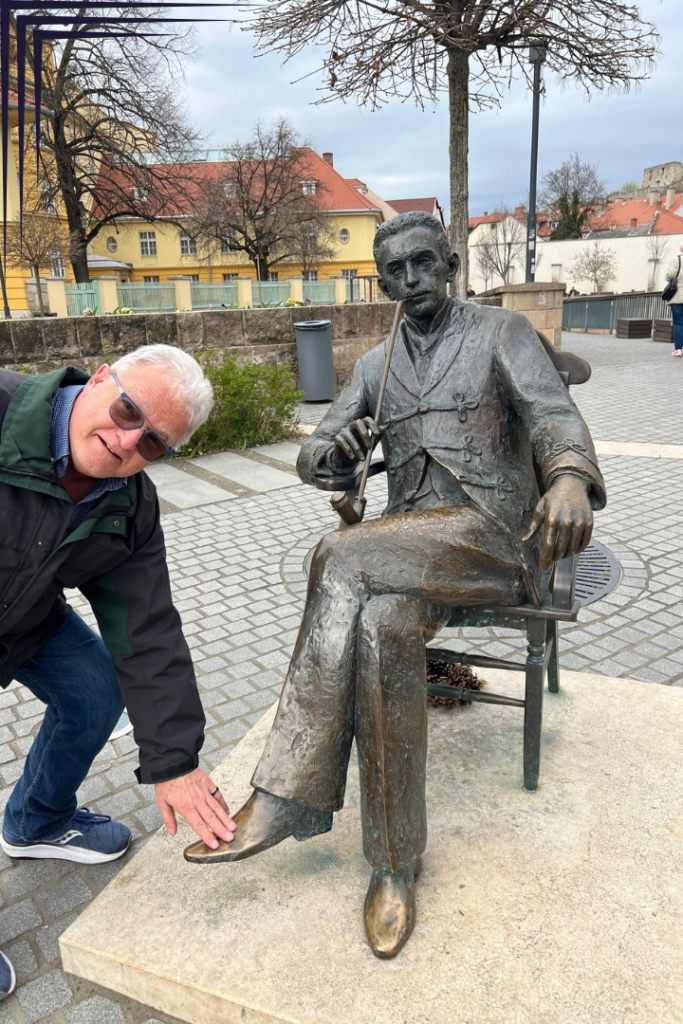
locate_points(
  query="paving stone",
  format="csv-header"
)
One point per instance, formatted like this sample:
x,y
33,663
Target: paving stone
x,y
96,1011
47,938
17,919
22,958
119,804
44,996
25,877
66,896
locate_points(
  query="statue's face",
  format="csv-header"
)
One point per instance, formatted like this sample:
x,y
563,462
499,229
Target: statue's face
x,y
412,268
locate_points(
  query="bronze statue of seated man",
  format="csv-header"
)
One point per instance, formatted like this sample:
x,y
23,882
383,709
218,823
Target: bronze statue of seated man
x,y
472,399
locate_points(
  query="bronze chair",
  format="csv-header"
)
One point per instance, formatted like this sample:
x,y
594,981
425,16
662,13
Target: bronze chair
x,y
539,623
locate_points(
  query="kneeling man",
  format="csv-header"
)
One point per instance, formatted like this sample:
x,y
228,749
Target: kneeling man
x,y
77,512
472,399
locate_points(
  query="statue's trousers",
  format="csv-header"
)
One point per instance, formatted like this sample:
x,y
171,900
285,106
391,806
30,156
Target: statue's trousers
x,y
378,592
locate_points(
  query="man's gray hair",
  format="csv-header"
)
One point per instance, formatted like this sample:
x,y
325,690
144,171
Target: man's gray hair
x,y
183,376
405,221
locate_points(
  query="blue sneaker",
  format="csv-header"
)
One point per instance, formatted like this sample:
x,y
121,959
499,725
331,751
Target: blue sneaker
x,y
8,978
90,839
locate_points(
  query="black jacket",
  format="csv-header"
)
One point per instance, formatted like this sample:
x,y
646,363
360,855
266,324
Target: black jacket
x,y
116,558
491,402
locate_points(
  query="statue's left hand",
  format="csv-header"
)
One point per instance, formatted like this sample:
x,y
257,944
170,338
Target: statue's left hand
x,y
190,795
565,512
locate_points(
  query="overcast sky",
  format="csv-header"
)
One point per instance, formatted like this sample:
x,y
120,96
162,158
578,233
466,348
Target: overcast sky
x,y
402,151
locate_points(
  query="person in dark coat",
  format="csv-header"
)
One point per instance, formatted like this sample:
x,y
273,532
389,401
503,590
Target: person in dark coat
x,y
77,511
472,399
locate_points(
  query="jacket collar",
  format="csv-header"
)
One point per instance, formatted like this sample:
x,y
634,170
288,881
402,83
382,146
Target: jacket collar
x,y
402,365
25,458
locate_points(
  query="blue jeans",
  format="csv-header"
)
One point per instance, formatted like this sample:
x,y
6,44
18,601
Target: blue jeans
x,y
677,316
74,676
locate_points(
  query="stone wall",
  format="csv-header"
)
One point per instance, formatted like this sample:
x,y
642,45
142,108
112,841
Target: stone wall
x,y
248,335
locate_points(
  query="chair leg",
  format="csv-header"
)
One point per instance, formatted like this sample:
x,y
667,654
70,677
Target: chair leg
x,y
552,637
533,701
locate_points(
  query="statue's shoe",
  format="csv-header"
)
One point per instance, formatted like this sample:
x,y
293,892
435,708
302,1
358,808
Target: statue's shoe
x,y
264,821
390,909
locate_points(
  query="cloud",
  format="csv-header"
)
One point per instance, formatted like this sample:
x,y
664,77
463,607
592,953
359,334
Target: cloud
x,y
403,151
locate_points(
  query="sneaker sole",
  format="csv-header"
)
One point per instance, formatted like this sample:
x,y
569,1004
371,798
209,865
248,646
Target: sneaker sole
x,y
13,982
46,851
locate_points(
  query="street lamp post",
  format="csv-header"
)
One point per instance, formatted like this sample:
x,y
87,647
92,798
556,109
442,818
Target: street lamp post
x,y
3,285
537,55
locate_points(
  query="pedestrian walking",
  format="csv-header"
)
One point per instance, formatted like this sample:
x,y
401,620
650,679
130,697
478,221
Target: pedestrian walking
x,y
673,273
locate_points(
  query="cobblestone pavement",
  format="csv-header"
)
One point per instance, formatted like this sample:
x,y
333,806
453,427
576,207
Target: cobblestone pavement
x,y
236,555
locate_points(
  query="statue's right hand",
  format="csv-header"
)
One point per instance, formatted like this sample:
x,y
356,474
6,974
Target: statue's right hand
x,y
353,443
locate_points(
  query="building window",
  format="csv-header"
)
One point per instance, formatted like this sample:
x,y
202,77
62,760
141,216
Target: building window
x,y
230,277
47,196
556,271
195,278
349,273
140,194
230,190
229,243
273,275
310,275
57,267
112,244
148,243
151,279
309,188
188,245
344,236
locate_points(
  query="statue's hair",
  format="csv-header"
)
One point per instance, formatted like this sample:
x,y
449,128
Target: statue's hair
x,y
405,221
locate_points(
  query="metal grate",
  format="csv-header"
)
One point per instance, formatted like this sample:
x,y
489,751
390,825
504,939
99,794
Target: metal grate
x,y
597,574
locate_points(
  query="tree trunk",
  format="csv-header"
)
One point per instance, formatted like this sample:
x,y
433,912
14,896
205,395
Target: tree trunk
x,y
458,106
36,276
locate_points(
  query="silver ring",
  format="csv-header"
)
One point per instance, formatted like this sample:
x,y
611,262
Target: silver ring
x,y
214,791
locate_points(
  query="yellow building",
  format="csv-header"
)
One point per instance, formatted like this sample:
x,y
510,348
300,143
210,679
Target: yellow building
x,y
158,250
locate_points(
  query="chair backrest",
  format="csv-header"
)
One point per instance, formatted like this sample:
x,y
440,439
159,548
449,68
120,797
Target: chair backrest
x,y
572,369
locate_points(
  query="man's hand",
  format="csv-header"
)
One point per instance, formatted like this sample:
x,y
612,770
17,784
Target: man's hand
x,y
190,795
565,511
353,443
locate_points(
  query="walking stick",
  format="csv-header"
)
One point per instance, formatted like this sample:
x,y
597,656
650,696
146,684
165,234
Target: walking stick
x,y
352,510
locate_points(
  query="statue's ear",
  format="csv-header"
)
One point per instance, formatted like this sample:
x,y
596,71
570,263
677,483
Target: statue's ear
x,y
383,288
453,265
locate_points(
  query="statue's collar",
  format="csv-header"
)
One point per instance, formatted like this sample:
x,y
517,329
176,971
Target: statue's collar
x,y
440,317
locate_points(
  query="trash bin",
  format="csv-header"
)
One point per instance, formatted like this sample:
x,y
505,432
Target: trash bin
x,y
314,353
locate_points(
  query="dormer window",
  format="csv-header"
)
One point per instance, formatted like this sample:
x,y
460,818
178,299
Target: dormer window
x,y
140,194
309,188
230,190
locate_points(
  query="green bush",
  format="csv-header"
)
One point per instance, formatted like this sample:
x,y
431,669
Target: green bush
x,y
254,404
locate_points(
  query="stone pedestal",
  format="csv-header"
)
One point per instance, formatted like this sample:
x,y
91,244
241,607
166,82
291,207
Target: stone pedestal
x,y
541,303
561,906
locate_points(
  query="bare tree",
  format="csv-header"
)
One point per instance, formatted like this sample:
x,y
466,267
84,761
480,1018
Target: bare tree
x,y
267,202
37,243
501,248
596,264
114,100
573,178
657,248
376,49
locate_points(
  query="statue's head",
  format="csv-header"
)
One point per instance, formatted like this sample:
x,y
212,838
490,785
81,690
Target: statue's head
x,y
415,262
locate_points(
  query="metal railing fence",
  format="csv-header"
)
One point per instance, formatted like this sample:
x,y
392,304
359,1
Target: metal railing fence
x,y
80,297
269,293
147,298
212,296
601,312
364,289
319,293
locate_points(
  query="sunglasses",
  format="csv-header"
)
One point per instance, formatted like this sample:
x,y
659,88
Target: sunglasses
x,y
128,416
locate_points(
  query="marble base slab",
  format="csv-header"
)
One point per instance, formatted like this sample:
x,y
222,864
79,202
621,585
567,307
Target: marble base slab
x,y
561,906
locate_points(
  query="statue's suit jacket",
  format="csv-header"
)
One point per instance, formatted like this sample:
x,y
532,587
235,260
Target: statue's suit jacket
x,y
491,402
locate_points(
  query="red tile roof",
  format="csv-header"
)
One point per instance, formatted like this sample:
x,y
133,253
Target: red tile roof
x,y
336,195
428,205
668,222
